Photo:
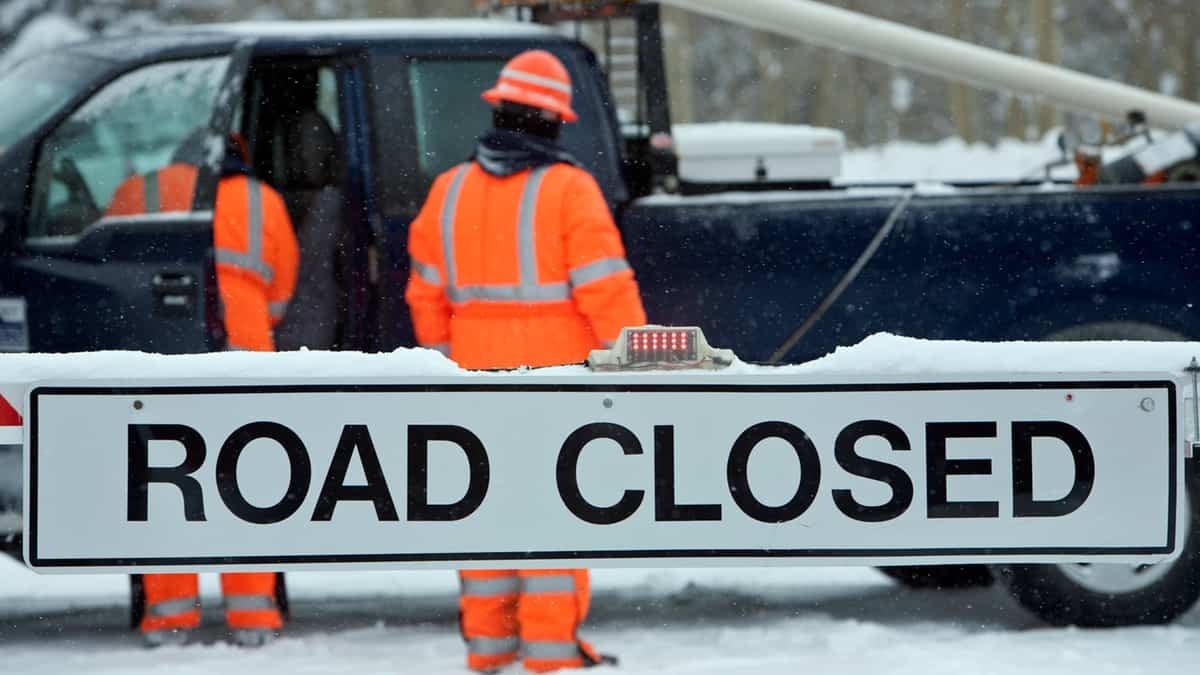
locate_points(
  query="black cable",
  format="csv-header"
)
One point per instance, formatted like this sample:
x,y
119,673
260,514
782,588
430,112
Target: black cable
x,y
847,279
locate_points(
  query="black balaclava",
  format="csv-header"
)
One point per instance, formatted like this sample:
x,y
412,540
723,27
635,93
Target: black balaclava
x,y
521,138
525,119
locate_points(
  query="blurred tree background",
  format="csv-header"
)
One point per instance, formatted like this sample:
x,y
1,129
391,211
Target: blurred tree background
x,y
724,72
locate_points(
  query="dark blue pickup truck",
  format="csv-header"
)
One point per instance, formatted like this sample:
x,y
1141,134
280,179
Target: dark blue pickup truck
x,y
396,103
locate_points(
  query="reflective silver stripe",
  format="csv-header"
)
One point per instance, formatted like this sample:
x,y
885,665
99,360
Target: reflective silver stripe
x,y
242,261
542,293
495,586
493,646
550,583
246,602
252,260
235,348
277,309
527,229
449,209
595,271
536,79
528,289
544,649
439,347
427,272
172,607
151,203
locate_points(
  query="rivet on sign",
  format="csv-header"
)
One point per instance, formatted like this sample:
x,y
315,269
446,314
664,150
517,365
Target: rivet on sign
x,y
137,405
608,403
1147,404
1070,397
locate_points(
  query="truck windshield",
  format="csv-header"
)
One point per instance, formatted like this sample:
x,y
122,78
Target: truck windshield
x,y
33,91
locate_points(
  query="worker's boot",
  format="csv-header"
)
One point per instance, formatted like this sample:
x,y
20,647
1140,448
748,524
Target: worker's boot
x,y
251,607
170,637
253,637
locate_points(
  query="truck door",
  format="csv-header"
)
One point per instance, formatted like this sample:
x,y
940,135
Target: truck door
x,y
116,248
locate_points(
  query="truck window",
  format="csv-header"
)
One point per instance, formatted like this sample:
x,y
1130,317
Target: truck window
x,y
448,112
447,117
34,90
136,125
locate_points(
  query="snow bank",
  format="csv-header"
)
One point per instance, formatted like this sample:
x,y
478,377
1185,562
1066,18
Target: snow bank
x,y
886,354
953,160
882,354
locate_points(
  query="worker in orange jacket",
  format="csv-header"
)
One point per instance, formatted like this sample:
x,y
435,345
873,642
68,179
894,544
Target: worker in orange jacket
x,y
256,260
516,261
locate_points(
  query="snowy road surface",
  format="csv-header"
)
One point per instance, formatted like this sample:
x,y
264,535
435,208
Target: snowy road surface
x,y
760,621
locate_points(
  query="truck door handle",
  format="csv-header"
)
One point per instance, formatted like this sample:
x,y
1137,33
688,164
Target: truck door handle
x,y
174,294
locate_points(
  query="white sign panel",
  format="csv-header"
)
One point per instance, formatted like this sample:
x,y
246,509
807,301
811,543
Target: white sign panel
x,y
529,471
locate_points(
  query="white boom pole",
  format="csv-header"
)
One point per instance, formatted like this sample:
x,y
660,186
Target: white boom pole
x,y
898,44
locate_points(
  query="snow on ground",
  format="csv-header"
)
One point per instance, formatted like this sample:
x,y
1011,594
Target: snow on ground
x,y
777,621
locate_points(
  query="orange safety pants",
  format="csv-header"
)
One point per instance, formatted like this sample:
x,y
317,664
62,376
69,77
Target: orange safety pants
x,y
530,614
173,601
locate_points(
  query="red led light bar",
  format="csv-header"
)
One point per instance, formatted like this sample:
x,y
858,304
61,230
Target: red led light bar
x,y
661,345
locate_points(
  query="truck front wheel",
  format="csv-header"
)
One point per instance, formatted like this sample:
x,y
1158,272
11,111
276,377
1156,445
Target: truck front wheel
x,y
1103,595
1106,595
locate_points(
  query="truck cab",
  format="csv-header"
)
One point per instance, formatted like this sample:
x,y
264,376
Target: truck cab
x,y
350,122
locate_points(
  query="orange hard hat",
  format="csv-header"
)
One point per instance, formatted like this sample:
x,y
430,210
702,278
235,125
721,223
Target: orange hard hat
x,y
538,79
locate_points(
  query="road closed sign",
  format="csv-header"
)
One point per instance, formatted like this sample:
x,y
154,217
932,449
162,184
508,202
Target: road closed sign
x,y
653,469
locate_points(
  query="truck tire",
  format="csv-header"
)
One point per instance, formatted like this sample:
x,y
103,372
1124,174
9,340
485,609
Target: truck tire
x,y
1107,595
940,576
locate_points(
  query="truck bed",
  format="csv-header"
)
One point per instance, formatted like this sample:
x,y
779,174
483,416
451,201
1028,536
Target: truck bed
x,y
977,264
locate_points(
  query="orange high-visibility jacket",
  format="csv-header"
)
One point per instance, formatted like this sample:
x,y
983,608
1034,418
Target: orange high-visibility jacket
x,y
527,269
257,260
170,188
255,246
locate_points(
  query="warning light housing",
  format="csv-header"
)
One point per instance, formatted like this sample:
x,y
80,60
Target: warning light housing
x,y
650,347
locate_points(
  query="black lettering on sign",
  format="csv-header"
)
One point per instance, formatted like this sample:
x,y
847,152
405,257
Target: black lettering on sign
x,y
299,473
141,474
889,474
937,468
665,508
568,475
419,437
739,461
355,437
1024,505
